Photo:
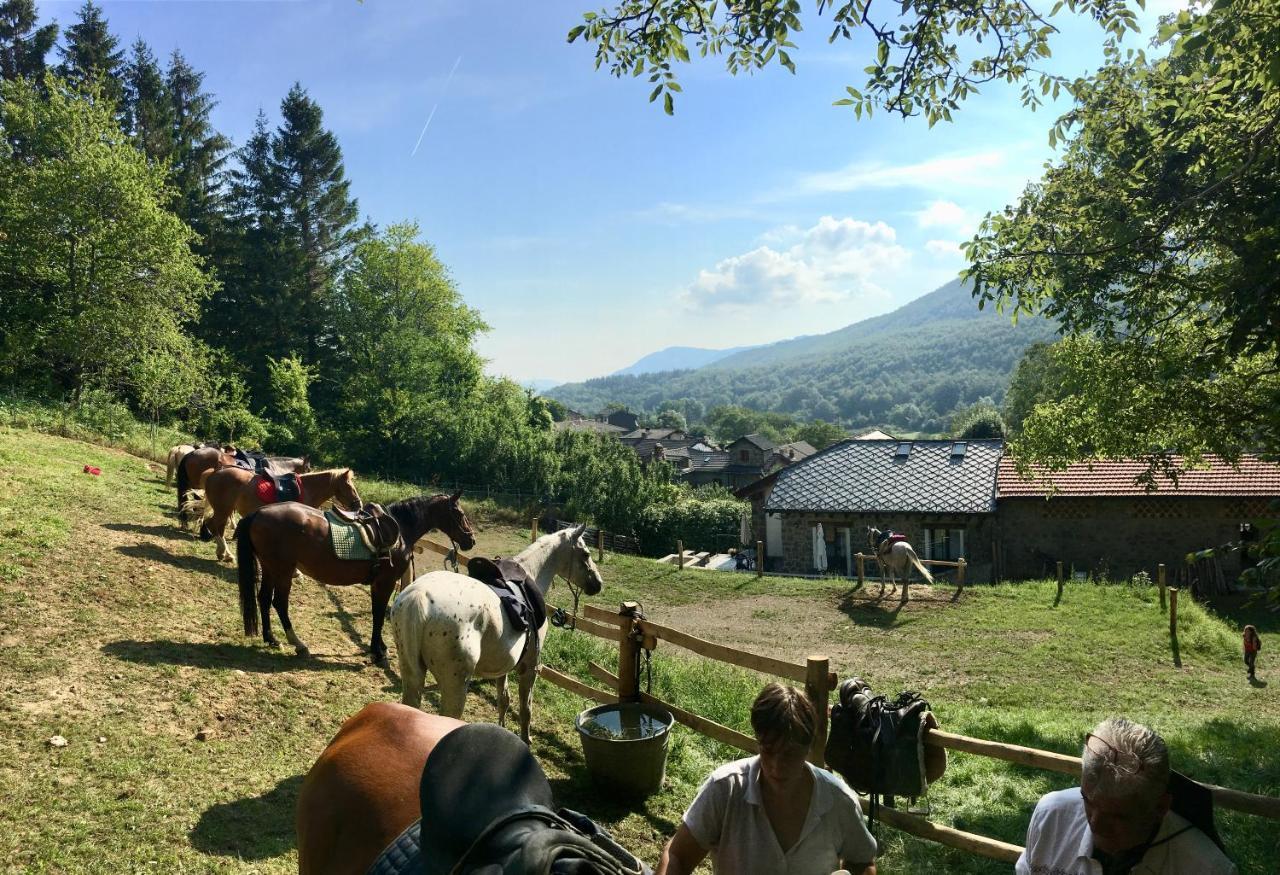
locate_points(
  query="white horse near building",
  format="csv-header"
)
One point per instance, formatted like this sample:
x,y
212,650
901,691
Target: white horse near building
x,y
454,626
897,558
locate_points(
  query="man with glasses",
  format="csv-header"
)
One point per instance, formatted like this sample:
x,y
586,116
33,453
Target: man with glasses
x,y
1118,821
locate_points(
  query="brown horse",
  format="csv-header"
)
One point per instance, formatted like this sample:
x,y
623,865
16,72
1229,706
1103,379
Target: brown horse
x,y
200,463
289,536
363,790
485,804
230,490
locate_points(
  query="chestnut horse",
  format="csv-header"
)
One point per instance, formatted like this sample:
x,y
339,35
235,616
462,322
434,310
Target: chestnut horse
x,y
200,463
289,536
484,802
235,489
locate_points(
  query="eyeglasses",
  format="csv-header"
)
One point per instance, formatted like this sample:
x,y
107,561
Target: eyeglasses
x,y
1125,763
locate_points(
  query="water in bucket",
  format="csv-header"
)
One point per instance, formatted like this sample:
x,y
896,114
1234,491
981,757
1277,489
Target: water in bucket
x,y
628,725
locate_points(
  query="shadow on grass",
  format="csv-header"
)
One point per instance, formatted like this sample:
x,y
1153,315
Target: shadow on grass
x,y
246,657
359,640
256,828
1241,609
880,610
200,564
161,531
577,791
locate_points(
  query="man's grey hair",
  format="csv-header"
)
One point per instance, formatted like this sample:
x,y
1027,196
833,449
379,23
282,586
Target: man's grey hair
x,y
1132,747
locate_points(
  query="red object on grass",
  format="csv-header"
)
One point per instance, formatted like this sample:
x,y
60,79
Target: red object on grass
x,y
92,469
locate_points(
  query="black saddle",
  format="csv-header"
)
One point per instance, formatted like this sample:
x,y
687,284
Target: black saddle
x,y
520,598
255,462
877,745
487,809
273,487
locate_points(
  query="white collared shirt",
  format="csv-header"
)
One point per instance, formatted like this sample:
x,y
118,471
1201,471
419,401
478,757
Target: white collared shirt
x,y
728,819
1059,842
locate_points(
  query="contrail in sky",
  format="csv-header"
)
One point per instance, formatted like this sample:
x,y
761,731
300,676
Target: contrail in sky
x,y
432,114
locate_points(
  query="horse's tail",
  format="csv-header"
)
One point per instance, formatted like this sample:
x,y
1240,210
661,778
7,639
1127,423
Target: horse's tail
x,y
247,561
183,484
915,560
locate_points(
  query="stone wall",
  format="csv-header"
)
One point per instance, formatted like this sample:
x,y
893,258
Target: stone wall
x,y
797,538
1117,537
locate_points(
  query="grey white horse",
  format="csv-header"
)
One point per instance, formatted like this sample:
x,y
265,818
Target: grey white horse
x,y
897,558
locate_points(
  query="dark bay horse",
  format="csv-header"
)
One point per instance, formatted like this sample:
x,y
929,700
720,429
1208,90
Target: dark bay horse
x,y
289,536
234,489
199,463
485,804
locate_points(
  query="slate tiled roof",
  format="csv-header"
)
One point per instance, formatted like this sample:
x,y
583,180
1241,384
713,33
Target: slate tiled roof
x,y
588,425
714,460
1254,478
862,476
759,441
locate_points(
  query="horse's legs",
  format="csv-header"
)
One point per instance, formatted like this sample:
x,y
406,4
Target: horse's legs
x,y
504,699
265,590
413,674
380,592
453,683
281,602
527,676
219,528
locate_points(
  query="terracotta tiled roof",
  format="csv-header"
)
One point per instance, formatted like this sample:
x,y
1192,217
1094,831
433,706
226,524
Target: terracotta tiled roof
x,y
861,476
1254,477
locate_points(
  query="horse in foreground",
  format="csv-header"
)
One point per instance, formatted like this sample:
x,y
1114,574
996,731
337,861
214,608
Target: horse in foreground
x,y
897,558
398,790
455,627
236,490
175,455
289,536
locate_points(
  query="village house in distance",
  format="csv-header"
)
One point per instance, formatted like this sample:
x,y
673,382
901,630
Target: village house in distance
x,y
696,460
965,498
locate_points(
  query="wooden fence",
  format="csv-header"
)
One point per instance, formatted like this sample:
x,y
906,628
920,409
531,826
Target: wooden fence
x,y
633,633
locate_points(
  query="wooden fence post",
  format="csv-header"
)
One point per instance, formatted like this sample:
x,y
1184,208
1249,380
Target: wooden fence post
x,y
960,565
533,530
759,558
995,562
862,571
1058,598
817,688
680,553
628,655
1173,626
1162,580
600,545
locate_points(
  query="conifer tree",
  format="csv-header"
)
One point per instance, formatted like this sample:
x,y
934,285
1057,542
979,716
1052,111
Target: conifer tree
x,y
23,45
198,152
147,113
92,54
318,220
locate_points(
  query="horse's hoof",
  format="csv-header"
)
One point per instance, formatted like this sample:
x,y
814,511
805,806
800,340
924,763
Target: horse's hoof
x,y
302,650
274,644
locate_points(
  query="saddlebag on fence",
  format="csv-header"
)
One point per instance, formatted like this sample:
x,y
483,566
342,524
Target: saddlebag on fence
x,y
877,745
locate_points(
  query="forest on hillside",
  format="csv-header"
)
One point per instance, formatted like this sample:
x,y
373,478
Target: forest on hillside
x,y
909,378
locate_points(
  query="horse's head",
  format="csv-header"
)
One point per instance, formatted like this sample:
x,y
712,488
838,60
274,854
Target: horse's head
x,y
453,521
344,490
583,572
873,535
305,467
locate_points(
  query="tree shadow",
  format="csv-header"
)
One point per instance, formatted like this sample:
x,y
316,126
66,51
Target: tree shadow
x,y
198,564
246,657
1241,609
255,828
161,531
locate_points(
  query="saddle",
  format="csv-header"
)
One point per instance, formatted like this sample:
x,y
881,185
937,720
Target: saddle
x,y
256,462
271,488
377,528
520,597
887,539
877,745
487,809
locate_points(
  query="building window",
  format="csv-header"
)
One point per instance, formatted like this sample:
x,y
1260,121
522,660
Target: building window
x,y
902,451
958,449
941,542
744,455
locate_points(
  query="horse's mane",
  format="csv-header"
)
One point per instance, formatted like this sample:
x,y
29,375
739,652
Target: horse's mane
x,y
412,512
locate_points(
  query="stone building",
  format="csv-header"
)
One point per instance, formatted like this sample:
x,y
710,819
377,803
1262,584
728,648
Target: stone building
x,y
940,494
1099,520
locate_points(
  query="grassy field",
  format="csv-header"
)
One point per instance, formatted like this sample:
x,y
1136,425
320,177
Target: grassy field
x,y
186,743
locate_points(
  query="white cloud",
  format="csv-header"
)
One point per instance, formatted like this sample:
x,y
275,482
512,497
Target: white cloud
x,y
835,260
950,171
945,214
944,249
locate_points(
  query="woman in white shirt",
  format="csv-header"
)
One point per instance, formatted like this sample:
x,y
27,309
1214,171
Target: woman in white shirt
x,y
774,813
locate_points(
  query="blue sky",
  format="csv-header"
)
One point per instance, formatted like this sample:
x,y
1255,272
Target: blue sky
x,y
587,226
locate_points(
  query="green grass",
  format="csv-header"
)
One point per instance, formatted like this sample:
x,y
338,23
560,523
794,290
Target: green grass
x,y
113,625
